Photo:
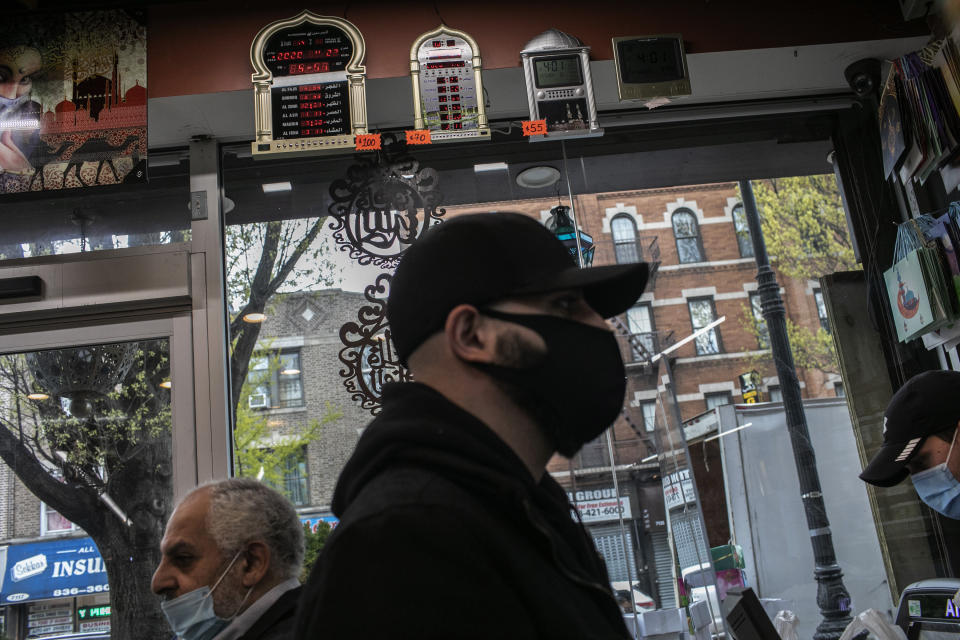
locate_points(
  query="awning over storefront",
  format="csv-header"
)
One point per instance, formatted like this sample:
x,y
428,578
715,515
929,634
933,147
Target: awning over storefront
x,y
52,569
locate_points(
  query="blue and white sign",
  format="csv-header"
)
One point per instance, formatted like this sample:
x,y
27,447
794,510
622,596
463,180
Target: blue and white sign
x,y
314,521
53,569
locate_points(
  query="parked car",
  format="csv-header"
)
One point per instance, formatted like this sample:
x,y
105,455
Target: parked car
x,y
703,586
642,601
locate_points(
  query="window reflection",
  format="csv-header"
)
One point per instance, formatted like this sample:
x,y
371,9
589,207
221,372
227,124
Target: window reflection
x,y
702,314
742,229
624,239
687,235
100,219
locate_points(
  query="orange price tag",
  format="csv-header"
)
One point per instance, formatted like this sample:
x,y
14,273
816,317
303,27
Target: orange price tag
x,y
534,127
368,141
418,136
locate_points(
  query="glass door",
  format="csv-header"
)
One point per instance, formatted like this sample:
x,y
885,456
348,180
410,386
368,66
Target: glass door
x,y
96,437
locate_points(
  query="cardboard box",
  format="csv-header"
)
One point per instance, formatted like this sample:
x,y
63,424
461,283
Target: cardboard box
x,y
663,621
700,614
727,556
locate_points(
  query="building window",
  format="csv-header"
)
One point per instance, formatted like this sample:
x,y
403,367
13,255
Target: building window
x,y
821,310
742,229
687,234
649,411
775,394
640,326
52,522
717,399
594,453
295,485
701,314
293,478
624,239
763,332
277,381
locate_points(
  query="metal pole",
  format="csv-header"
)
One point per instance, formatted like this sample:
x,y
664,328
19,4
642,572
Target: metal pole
x,y
832,596
609,432
573,209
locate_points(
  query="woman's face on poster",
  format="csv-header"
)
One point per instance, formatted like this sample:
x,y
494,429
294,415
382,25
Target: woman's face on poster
x,y
18,65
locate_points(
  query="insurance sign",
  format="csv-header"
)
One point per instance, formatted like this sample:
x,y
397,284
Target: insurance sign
x,y
51,569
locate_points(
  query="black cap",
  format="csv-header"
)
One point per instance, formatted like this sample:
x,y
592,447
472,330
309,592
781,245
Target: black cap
x,y
925,405
481,258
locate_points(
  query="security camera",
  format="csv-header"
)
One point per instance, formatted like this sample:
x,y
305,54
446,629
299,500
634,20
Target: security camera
x,y
863,76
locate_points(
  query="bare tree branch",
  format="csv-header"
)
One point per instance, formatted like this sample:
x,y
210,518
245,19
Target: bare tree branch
x,y
77,504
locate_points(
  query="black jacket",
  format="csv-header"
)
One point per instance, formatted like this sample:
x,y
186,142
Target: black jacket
x,y
276,623
444,534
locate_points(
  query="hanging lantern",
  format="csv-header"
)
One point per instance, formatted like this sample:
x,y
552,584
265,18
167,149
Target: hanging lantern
x,y
561,225
82,374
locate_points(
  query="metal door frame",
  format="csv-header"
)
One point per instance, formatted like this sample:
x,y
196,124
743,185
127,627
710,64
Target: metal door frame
x,y
187,466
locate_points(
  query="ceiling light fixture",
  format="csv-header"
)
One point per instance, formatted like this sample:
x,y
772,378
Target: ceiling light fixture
x,y
166,384
276,187
538,177
490,166
254,318
290,372
38,396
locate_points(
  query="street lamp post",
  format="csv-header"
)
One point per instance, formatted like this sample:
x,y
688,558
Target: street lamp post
x,y
832,596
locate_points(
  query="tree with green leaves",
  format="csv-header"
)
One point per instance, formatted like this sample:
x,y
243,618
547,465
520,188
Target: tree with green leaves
x,y
314,537
263,259
262,451
87,430
804,226
805,230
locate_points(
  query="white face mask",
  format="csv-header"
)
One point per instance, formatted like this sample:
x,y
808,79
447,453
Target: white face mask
x,y
191,616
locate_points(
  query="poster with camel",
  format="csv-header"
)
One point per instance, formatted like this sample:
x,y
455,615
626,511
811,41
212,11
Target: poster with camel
x,y
73,100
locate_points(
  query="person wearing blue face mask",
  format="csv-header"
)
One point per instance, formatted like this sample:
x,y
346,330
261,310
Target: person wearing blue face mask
x,y
232,551
921,430
19,114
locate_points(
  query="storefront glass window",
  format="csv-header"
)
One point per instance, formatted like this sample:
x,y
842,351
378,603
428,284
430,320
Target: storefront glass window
x,y
634,487
102,218
92,425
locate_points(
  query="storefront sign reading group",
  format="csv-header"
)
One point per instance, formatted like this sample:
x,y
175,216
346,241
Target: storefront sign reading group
x,y
600,505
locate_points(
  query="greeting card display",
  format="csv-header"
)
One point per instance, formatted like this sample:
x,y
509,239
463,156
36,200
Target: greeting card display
x,y
920,284
909,302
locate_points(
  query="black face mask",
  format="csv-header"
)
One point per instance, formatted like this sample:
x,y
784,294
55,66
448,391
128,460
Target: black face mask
x,y
575,390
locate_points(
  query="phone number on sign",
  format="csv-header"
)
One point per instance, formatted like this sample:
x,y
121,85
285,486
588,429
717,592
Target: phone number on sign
x,y
73,591
601,511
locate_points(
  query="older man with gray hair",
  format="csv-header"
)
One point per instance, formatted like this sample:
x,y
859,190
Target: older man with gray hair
x,y
232,551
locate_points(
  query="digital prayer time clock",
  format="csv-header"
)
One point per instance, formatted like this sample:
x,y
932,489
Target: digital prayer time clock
x,y
556,68
309,85
651,67
447,87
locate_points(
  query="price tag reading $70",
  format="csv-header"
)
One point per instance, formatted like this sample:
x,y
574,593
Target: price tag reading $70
x,y
418,136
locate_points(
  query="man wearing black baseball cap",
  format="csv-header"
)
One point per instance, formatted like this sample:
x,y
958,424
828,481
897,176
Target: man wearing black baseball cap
x,y
920,431
445,507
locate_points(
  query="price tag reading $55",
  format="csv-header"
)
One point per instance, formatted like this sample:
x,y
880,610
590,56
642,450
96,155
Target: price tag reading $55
x,y
534,127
